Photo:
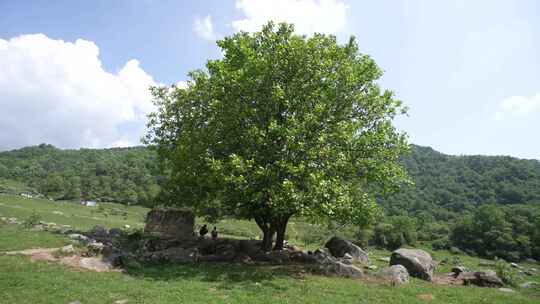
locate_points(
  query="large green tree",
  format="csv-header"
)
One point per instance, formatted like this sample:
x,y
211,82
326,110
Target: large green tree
x,y
283,125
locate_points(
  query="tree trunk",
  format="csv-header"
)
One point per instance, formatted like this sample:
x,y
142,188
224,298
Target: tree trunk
x,y
281,227
268,233
268,237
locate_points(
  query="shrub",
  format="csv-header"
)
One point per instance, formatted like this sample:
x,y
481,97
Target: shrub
x,y
32,220
504,271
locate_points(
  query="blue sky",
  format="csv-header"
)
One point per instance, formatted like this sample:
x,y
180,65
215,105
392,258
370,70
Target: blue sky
x,y
468,70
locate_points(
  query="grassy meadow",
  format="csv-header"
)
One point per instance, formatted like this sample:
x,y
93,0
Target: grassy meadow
x,y
23,281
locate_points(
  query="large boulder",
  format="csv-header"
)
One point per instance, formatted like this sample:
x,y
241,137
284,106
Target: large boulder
x,y
395,274
418,263
170,223
339,247
481,278
173,255
328,265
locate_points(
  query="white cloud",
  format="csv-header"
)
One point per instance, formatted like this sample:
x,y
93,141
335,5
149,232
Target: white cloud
x,y
204,28
518,106
58,92
308,16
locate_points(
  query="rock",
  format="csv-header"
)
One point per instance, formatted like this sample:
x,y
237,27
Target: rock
x,y
456,270
67,249
98,232
170,223
486,264
178,255
243,259
78,237
481,278
418,263
328,265
95,264
38,227
384,259
531,261
302,257
529,284
339,247
514,265
347,256
127,226
95,248
396,274
506,290
13,220
372,267
115,232
123,301
336,268
534,270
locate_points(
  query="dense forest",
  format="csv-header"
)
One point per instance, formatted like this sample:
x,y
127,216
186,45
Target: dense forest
x,y
125,175
484,205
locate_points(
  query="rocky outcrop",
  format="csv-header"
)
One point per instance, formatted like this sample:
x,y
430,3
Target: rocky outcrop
x,y
457,270
170,223
418,263
481,278
395,274
339,247
328,265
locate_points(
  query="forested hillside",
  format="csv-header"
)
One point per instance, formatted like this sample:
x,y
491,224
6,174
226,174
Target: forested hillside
x,y
457,183
126,175
443,184
486,205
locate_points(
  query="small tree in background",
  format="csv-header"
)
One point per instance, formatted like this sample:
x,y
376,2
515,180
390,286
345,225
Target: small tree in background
x,y
281,126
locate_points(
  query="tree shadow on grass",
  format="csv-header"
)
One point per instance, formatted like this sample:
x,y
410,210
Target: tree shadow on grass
x,y
225,275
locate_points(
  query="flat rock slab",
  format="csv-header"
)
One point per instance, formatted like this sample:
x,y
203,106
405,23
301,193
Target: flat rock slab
x,y
170,223
75,261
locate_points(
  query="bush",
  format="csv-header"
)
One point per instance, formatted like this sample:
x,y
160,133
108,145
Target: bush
x,y
395,232
505,272
32,220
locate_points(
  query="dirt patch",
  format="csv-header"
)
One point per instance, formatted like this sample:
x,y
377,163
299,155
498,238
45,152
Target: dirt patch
x,y
74,261
425,297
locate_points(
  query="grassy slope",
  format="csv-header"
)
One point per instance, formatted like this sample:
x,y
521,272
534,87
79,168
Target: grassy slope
x,y
22,280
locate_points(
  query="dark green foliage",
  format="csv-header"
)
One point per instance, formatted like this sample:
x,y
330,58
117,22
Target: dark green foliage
x,y
125,175
447,185
395,232
494,231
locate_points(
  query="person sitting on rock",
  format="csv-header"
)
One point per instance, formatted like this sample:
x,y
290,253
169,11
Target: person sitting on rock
x,y
214,233
203,231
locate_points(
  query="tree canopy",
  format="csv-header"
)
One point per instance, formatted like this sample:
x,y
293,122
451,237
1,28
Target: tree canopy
x,y
283,125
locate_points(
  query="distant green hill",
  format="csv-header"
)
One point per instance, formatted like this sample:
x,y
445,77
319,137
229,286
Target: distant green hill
x,y
443,183
126,175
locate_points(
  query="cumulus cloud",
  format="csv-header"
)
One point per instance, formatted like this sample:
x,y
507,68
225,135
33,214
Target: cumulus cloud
x,y
518,106
57,92
204,28
308,16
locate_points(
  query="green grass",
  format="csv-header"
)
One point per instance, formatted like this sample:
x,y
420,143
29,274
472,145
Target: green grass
x,y
23,281
14,237
216,283
71,213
